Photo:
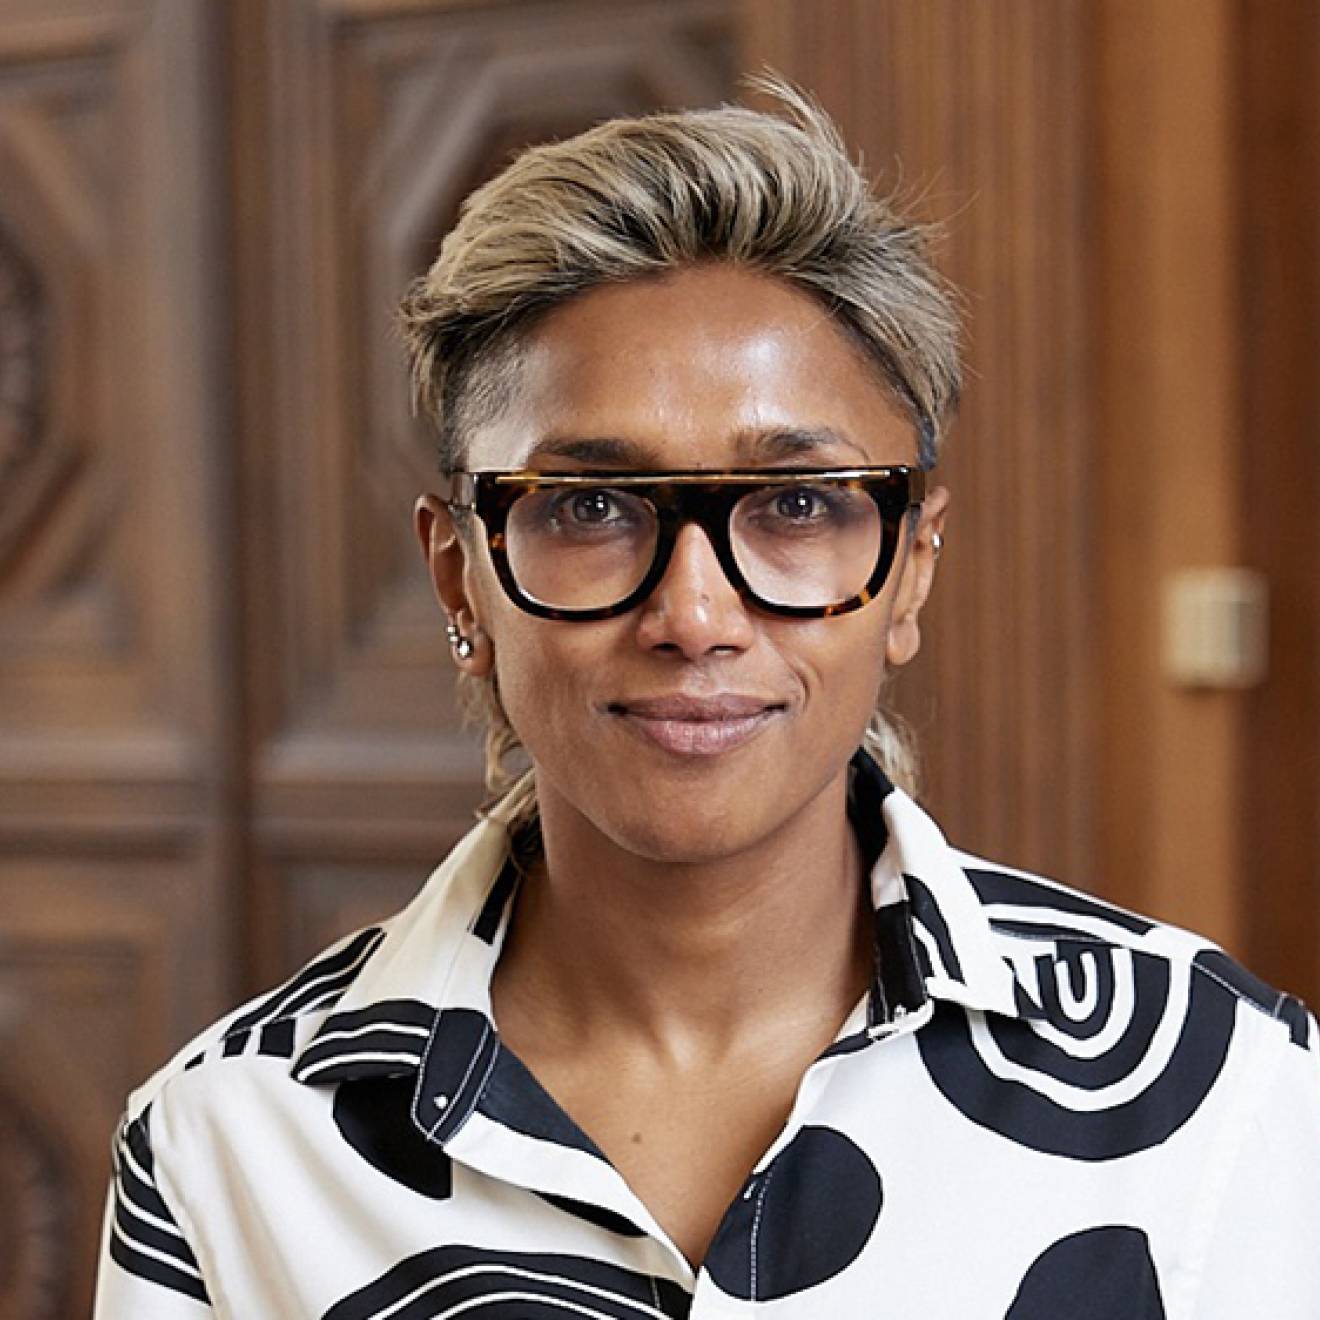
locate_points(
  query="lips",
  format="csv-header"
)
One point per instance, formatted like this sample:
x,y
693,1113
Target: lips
x,y
698,726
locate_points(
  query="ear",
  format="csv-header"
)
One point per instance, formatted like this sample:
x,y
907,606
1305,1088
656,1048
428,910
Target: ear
x,y
448,561
916,579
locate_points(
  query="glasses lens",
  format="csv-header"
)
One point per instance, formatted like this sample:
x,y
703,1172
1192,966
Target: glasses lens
x,y
811,544
580,547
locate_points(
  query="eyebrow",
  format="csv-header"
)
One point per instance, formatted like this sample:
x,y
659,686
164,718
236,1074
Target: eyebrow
x,y
604,451
793,441
760,447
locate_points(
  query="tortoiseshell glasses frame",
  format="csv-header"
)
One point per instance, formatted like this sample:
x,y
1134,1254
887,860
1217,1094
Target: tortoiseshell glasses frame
x,y
702,496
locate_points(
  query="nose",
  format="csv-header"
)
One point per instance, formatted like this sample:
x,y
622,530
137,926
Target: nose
x,y
694,609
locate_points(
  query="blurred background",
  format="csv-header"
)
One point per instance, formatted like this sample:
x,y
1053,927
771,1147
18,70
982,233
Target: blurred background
x,y
226,725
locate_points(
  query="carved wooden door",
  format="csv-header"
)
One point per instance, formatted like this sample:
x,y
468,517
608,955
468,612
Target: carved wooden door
x,y
117,674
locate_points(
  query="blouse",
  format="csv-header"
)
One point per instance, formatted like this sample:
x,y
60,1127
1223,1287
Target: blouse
x,y
1044,1106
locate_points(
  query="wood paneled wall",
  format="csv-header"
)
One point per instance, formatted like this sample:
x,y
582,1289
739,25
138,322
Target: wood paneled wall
x,y
226,729
1133,205
1277,140
1170,412
1207,120
978,115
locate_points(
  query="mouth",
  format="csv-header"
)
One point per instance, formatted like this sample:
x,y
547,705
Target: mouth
x,y
698,726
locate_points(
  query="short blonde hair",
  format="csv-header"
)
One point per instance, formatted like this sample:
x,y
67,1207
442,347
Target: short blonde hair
x,y
634,199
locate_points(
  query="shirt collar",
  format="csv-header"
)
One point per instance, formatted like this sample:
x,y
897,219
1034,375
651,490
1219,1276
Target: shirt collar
x,y
437,954
933,941
933,937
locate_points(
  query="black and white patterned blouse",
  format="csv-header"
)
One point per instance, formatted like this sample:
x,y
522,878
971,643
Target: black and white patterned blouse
x,y
1045,1108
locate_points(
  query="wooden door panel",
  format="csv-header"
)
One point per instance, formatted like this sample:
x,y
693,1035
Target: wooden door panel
x,y
112,695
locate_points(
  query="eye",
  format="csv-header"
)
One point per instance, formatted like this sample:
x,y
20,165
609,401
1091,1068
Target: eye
x,y
801,504
591,506
593,511
809,510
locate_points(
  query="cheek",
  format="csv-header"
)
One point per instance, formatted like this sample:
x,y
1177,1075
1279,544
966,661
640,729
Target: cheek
x,y
838,661
545,671
531,691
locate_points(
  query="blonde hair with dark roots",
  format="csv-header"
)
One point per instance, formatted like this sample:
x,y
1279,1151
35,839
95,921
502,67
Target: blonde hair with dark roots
x,y
633,199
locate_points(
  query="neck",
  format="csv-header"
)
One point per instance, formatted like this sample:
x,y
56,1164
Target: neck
x,y
695,959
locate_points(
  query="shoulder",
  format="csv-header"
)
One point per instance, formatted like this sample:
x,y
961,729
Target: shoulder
x,y
372,992
166,1127
1122,1031
1060,939
264,1034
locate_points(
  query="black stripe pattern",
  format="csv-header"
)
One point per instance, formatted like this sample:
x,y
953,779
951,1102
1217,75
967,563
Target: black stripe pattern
x,y
144,1237
386,1039
319,985
511,1285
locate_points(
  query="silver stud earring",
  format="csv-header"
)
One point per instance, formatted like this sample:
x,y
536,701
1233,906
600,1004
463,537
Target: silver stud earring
x,y
936,543
463,647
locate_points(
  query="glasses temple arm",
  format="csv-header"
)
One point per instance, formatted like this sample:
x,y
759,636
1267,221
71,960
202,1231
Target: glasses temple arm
x,y
457,489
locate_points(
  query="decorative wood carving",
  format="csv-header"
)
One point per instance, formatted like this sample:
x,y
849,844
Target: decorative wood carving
x,y
34,1220
49,413
108,552
23,361
94,969
116,729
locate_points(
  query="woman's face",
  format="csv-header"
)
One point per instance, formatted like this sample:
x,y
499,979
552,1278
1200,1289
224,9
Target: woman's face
x,y
711,367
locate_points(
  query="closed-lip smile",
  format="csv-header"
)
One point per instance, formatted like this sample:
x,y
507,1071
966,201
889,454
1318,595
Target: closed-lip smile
x,y
688,725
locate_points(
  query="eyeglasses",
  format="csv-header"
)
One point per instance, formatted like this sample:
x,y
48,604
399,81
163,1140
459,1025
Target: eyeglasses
x,y
591,545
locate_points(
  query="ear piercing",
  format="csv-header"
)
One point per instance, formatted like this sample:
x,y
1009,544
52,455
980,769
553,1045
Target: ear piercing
x,y
463,647
936,543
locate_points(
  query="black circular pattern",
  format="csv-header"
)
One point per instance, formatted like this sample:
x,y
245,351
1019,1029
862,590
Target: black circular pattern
x,y
374,1116
1042,1080
801,1221
1096,1274
1085,979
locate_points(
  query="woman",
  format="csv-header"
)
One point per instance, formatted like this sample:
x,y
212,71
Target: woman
x,y
704,1017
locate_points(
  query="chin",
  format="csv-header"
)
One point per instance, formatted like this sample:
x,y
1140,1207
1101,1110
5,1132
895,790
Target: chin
x,y
680,846
690,811
689,828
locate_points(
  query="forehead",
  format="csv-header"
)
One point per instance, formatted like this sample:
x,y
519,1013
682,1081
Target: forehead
x,y
709,367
